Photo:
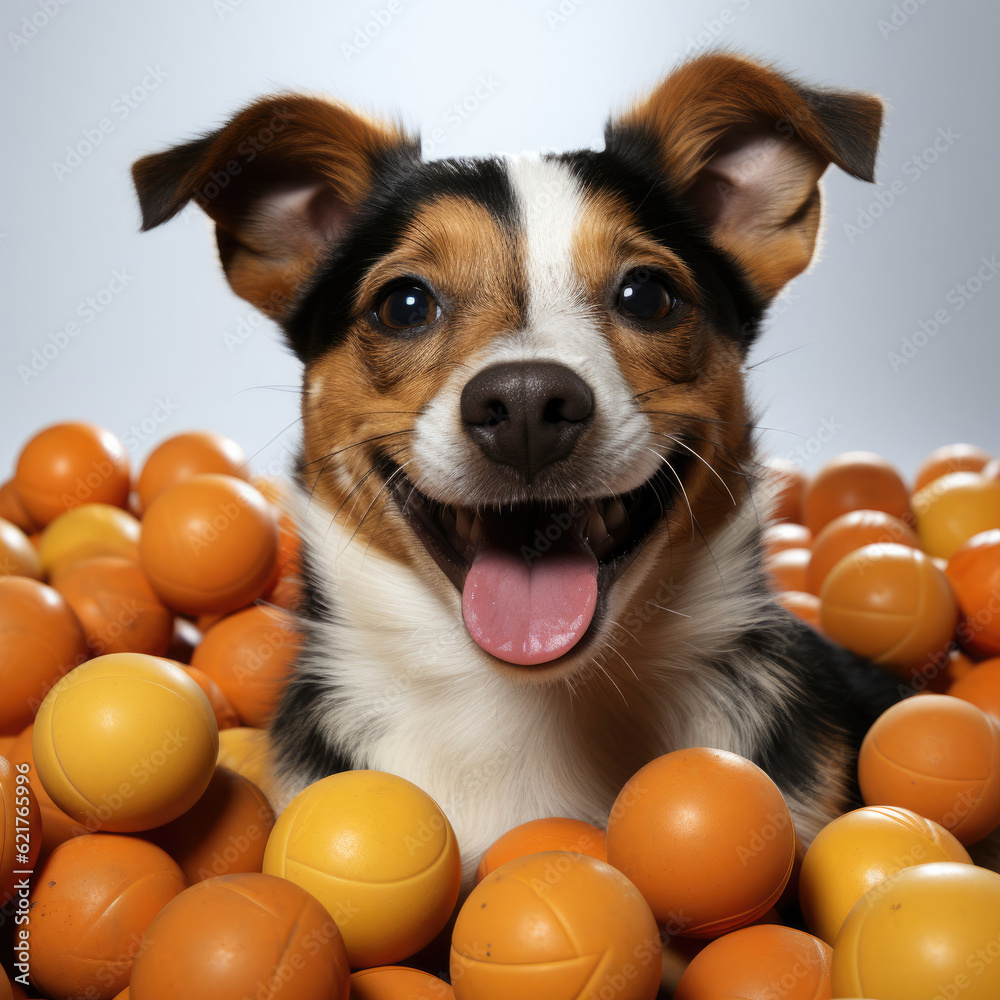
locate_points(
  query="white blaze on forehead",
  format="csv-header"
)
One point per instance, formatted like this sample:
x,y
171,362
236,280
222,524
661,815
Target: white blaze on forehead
x,y
560,325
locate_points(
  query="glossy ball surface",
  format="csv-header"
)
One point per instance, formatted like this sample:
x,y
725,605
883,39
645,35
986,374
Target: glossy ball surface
x,y
974,574
375,847
858,851
40,640
85,532
940,757
185,455
926,932
703,833
90,905
18,557
209,544
125,742
950,458
223,833
250,655
553,833
230,937
396,982
116,607
20,826
558,926
981,687
855,480
952,509
891,604
69,464
851,531
756,962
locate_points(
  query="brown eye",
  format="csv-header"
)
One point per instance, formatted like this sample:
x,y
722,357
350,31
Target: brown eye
x,y
407,307
645,295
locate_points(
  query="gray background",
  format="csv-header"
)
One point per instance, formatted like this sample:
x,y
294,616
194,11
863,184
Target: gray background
x,y
172,348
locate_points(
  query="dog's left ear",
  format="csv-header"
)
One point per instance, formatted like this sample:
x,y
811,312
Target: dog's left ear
x,y
746,146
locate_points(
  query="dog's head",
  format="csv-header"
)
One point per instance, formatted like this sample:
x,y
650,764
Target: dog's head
x,y
525,372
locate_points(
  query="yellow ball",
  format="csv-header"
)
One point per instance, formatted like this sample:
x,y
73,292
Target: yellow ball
x,y
92,529
858,851
125,742
953,508
246,751
928,932
378,853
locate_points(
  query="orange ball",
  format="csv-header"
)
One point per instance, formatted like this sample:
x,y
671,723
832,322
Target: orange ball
x,y
950,458
549,834
228,937
854,480
225,713
851,531
787,569
117,607
250,655
776,538
757,962
90,904
18,557
558,926
57,826
974,574
223,833
891,604
981,687
789,483
185,455
706,837
805,605
940,757
209,544
69,464
20,826
953,508
396,982
12,509
40,640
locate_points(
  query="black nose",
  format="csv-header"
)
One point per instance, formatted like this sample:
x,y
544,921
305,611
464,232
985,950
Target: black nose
x,y
527,414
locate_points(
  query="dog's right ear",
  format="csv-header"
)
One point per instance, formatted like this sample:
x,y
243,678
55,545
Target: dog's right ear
x,y
282,181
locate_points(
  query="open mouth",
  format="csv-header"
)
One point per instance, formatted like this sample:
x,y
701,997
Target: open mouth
x,y
534,577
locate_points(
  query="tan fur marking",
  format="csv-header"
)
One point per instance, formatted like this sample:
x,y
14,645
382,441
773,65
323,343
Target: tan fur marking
x,y
376,384
687,379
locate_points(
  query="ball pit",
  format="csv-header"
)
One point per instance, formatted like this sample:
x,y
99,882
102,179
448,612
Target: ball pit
x,y
224,828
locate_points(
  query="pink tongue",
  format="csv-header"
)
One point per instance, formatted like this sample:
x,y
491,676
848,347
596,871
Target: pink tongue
x,y
529,614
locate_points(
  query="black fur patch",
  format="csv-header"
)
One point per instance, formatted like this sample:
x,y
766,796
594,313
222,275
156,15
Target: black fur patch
x,y
325,312
627,167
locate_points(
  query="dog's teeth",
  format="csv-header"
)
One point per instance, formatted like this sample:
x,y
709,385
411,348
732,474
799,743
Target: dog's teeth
x,y
463,523
476,531
597,532
615,518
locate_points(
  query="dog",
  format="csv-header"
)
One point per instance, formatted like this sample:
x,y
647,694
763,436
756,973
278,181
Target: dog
x,y
529,492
